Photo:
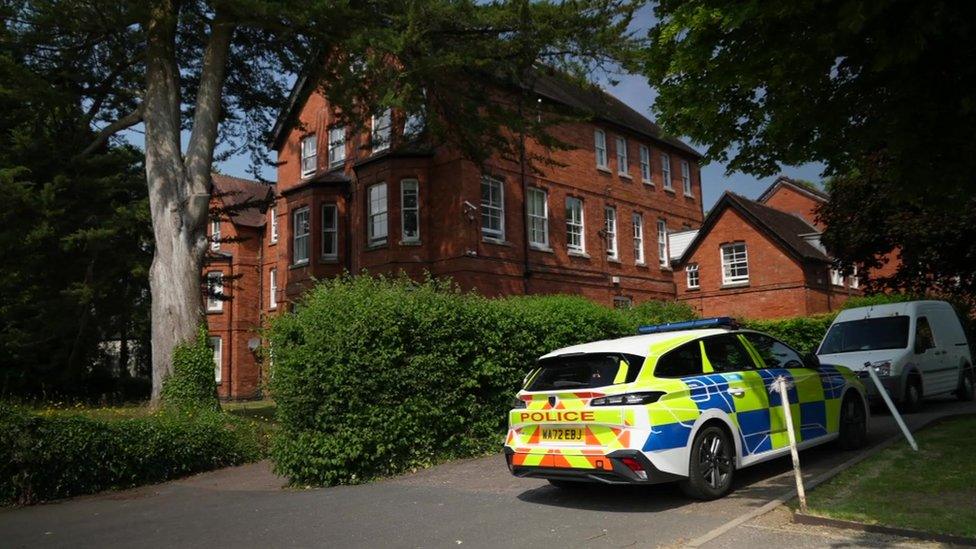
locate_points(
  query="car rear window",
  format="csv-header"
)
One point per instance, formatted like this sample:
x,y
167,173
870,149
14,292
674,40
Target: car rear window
x,y
585,371
868,334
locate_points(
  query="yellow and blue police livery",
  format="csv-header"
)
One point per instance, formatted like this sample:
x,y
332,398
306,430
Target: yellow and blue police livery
x,y
689,402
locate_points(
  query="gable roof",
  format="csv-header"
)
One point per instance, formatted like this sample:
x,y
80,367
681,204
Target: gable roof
x,y
790,231
245,200
589,99
783,181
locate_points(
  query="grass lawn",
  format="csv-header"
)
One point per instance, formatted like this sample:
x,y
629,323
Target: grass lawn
x,y
933,489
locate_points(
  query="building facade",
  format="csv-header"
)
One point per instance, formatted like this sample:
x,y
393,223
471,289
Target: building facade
x,y
760,259
594,222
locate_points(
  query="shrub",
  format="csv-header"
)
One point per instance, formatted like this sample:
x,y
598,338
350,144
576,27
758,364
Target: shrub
x,y
373,376
878,299
192,384
57,456
802,333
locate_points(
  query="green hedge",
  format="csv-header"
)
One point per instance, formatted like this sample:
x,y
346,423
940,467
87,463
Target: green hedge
x,y
192,384
375,376
49,457
802,333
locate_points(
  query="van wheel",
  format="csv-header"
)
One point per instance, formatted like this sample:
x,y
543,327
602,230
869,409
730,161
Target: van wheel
x,y
710,465
853,428
911,401
967,388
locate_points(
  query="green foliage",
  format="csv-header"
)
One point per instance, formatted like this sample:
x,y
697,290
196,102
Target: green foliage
x,y
44,457
74,236
802,333
878,299
375,376
752,81
192,385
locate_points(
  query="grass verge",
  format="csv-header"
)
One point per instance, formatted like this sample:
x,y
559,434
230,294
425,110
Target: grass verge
x,y
932,490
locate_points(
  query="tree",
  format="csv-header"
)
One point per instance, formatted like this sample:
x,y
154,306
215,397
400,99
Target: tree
x,y
73,237
883,93
220,70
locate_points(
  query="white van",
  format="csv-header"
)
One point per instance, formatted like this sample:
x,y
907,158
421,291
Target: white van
x,y
918,348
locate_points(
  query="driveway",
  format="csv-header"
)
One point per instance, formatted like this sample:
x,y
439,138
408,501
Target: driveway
x,y
468,503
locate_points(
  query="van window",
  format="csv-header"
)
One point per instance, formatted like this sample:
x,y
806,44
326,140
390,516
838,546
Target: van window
x,y
585,371
726,354
684,361
774,353
923,335
868,334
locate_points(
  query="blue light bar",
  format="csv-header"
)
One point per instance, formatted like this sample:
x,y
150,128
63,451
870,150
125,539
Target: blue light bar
x,y
717,322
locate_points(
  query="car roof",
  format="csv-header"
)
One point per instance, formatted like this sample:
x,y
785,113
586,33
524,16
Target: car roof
x,y
636,345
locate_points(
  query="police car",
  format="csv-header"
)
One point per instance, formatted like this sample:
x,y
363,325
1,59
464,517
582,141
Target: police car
x,y
688,402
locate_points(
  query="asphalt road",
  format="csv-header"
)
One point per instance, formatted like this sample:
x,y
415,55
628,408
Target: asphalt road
x,y
469,503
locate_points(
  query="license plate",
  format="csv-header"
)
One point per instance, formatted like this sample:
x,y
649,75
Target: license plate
x,y
562,434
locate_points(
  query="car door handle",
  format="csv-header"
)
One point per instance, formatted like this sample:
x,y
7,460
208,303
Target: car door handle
x,y
735,391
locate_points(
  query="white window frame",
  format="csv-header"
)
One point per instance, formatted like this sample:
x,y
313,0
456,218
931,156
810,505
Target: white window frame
x,y
538,220
274,224
575,226
610,227
692,276
217,344
215,290
377,215
623,164
414,124
408,187
381,130
600,147
645,164
304,236
214,235
686,178
493,208
733,259
855,281
309,152
273,288
666,171
638,224
330,234
337,146
836,278
663,254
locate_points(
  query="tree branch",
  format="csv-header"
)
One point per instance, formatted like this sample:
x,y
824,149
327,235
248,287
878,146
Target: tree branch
x,y
206,116
126,121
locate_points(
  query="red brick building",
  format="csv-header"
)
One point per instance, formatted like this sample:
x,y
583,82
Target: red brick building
x,y
595,223
760,259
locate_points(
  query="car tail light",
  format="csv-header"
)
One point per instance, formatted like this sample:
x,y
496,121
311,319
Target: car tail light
x,y
634,466
628,399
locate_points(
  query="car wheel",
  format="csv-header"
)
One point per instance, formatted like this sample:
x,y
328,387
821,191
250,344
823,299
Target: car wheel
x,y
567,484
853,428
911,401
967,388
710,465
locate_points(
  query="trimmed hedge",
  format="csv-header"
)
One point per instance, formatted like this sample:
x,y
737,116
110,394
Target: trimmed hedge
x,y
50,457
374,376
802,333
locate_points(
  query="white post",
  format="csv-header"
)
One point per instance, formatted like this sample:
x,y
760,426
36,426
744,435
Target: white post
x,y
781,386
891,406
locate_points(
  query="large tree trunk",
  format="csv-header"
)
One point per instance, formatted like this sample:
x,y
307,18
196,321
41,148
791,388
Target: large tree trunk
x,y
179,191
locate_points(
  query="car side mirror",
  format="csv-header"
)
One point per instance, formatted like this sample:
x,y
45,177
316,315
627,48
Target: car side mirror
x,y
811,360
